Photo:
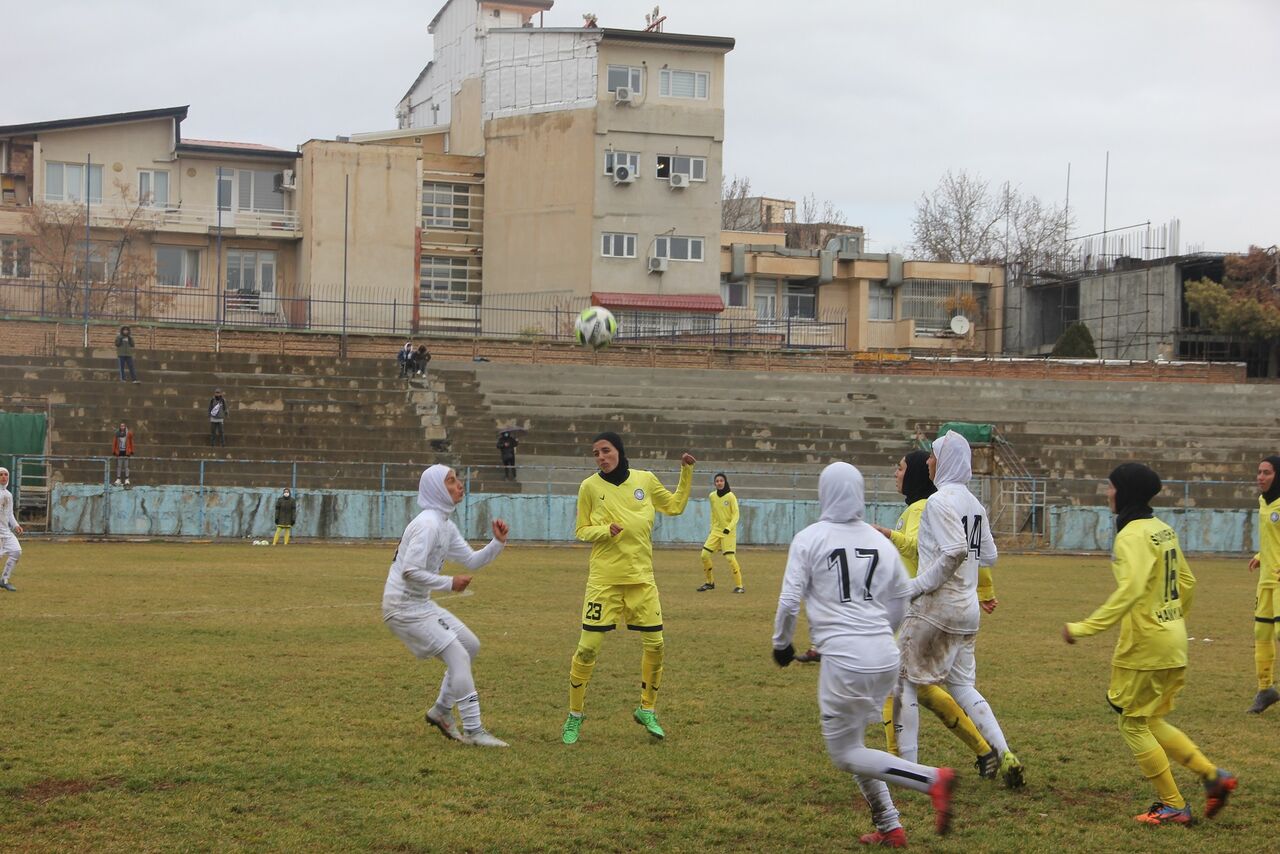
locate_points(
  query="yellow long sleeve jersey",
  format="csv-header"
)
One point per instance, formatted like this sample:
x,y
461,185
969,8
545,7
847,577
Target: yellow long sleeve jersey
x,y
628,557
1151,599
724,512
905,537
1269,540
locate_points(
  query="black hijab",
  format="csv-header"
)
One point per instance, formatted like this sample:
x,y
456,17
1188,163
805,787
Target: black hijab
x,y
722,492
622,470
916,483
1274,492
1135,486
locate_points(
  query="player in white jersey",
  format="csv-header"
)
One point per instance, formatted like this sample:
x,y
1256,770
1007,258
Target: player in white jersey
x,y
428,630
941,628
855,590
10,548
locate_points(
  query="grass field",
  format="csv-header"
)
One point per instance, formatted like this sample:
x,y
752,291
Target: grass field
x,y
195,697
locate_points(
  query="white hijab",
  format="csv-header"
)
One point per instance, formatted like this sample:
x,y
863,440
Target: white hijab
x,y
955,459
432,493
841,493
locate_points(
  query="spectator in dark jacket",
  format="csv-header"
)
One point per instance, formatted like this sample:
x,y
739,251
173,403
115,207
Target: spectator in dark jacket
x,y
420,359
124,353
122,449
404,359
217,417
286,513
507,448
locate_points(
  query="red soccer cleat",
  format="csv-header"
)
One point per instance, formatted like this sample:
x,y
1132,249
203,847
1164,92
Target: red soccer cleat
x,y
896,838
940,793
1164,814
1216,792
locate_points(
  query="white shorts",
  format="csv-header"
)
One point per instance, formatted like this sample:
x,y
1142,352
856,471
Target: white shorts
x,y
934,656
9,543
426,635
850,701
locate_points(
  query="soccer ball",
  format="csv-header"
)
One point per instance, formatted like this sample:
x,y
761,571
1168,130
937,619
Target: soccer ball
x,y
595,327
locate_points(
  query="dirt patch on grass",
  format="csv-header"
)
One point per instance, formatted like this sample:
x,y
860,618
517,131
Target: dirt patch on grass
x,y
42,791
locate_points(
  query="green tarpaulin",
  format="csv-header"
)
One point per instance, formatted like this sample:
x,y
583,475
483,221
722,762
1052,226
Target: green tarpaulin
x,y
22,434
976,434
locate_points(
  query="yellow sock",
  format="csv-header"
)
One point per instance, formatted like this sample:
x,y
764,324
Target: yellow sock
x,y
890,734
737,570
584,661
1181,748
650,669
706,567
1264,661
288,530
938,701
277,536
1155,767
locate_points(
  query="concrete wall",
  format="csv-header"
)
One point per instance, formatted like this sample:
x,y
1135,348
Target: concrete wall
x,y
1214,531
1132,314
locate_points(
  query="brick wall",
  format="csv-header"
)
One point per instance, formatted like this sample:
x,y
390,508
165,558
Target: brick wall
x,y
23,337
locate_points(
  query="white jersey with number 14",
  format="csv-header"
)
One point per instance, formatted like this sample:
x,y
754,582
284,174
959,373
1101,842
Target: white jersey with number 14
x,y
954,522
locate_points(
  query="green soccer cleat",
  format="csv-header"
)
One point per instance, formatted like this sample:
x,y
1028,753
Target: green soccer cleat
x,y
572,724
1011,771
648,719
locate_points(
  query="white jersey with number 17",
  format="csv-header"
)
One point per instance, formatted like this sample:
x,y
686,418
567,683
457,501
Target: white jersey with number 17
x,y
854,588
954,523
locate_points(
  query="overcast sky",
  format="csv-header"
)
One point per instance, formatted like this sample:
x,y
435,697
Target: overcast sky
x,y
863,102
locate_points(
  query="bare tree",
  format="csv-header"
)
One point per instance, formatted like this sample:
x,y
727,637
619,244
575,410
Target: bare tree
x,y
814,221
739,210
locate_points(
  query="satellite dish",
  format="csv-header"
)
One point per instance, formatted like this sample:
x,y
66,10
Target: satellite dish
x,y
960,325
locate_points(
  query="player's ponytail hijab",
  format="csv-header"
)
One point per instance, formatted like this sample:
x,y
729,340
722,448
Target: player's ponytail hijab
x,y
916,485
841,493
1135,485
1274,492
955,460
432,493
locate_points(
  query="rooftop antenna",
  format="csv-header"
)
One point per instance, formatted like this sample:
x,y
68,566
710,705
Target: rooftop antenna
x,y
653,22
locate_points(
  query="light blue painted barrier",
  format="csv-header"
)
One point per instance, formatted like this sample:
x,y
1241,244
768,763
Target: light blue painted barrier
x,y
1199,530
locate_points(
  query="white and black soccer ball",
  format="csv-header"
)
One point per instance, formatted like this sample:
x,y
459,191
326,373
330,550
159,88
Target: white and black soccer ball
x,y
595,327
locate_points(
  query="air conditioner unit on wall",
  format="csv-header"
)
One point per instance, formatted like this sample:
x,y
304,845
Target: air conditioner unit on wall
x,y
624,95
624,174
657,265
285,180
679,180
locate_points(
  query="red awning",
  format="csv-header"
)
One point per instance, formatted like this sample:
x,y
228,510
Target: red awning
x,y
659,302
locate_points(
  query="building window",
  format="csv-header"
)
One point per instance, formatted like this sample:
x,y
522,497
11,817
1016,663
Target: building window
x,y
626,75
693,168
734,294
931,303
255,190
614,159
66,182
445,278
880,302
153,188
104,262
446,205
678,248
15,258
615,245
177,267
766,298
802,301
683,84
251,271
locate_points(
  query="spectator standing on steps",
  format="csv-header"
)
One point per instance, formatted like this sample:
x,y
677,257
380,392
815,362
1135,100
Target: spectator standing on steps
x,y
507,448
124,353
286,514
122,449
404,359
217,417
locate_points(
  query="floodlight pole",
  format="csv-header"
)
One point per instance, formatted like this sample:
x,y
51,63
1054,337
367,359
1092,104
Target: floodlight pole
x,y
346,206
88,164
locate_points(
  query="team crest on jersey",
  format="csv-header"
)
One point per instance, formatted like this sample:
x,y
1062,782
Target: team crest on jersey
x,y
639,493
1275,516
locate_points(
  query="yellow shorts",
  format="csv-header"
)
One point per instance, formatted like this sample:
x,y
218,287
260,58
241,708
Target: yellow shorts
x,y
1145,693
607,606
1267,606
727,543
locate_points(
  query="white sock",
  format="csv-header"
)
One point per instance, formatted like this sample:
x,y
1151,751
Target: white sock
x,y
469,709
907,723
977,708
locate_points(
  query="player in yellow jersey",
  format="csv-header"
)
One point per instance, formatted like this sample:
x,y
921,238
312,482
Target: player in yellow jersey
x,y
912,477
1266,612
1149,665
724,534
616,509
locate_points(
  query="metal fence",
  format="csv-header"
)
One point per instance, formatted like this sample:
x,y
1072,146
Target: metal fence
x,y
548,317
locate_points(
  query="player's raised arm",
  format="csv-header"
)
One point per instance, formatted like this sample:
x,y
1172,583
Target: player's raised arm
x,y
673,504
460,550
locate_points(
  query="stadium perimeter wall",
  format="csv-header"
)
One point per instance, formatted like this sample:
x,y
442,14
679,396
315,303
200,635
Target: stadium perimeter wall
x,y
240,513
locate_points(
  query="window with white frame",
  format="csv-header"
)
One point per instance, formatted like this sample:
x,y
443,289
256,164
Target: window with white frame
x,y
68,182
257,190
446,205
734,294
614,159
617,245
629,76
765,298
880,302
683,84
177,267
445,278
802,302
693,168
104,262
153,188
251,271
678,248
15,258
